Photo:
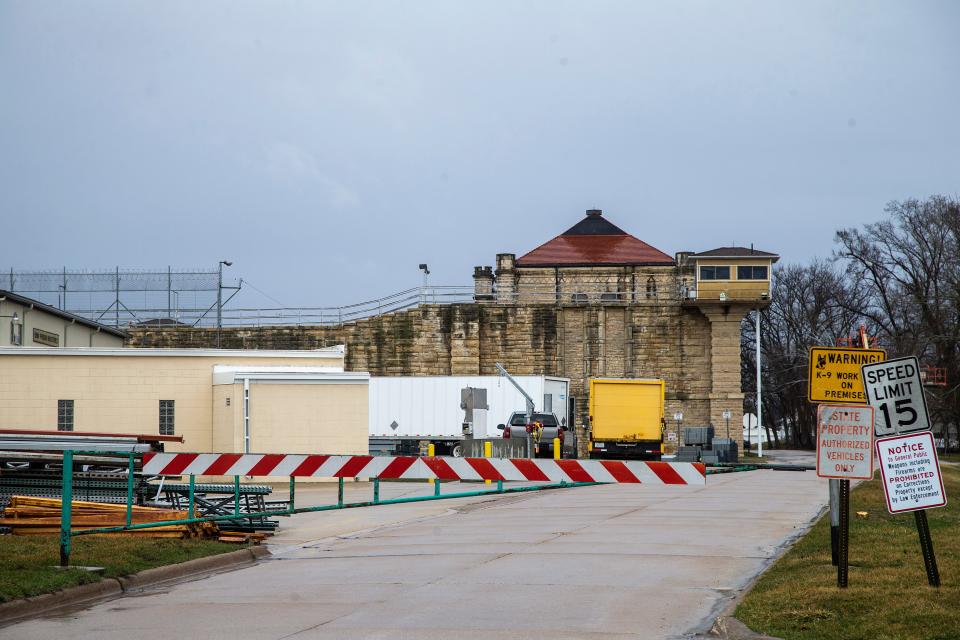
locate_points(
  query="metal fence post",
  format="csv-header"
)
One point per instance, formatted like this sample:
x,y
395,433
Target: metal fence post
x,y
376,491
130,490
339,492
66,508
236,495
193,499
293,494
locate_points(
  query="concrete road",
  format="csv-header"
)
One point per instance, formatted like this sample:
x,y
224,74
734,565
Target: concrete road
x,y
614,561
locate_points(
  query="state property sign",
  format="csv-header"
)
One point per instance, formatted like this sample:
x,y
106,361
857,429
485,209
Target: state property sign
x,y
894,389
845,442
910,472
833,374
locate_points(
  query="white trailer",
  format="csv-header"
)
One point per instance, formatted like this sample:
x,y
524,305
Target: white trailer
x,y
407,410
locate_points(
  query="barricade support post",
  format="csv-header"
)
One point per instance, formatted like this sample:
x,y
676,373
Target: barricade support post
x,y
66,508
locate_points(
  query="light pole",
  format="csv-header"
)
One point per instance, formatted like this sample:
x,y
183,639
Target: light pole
x,y
16,330
220,266
423,289
759,402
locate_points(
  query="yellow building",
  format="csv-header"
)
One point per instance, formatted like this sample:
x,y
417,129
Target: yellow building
x,y
25,322
218,400
734,274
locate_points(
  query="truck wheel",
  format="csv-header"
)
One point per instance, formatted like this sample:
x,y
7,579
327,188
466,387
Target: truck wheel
x,y
456,451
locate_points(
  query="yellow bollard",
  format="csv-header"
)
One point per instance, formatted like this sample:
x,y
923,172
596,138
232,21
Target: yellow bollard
x,y
556,448
430,452
487,453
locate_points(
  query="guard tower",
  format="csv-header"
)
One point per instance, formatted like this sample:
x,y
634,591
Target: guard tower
x,y
732,274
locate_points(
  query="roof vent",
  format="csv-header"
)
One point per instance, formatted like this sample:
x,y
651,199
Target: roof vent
x,y
594,213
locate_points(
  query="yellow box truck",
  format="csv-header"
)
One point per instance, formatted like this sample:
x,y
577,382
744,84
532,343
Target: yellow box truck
x,y
626,418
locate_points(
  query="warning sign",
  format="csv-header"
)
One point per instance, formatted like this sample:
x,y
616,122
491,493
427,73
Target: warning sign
x,y
833,374
845,442
910,472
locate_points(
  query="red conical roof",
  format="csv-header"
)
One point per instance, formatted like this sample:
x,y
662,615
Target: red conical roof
x,y
592,242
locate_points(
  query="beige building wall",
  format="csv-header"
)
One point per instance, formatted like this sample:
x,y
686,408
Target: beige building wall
x,y
119,391
308,418
227,433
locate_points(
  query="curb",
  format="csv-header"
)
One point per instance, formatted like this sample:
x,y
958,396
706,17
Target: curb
x,y
87,595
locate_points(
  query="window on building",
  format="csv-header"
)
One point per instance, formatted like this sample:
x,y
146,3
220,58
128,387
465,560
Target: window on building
x,y
610,296
578,298
714,272
651,287
751,273
166,417
64,415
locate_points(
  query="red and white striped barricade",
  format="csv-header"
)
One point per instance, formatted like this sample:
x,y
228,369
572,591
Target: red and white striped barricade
x,y
410,467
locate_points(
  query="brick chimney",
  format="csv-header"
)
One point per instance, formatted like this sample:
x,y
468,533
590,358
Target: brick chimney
x,y
482,283
506,278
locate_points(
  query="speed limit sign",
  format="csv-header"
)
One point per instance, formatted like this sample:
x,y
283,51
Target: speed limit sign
x,y
895,391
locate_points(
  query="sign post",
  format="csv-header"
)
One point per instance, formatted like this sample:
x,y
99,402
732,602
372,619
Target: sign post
x,y
834,377
844,452
908,463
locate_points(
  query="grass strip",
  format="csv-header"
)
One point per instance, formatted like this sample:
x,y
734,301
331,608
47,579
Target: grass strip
x,y
27,563
888,597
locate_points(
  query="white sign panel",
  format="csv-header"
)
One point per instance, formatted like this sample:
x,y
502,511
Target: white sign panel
x,y
910,472
894,389
845,441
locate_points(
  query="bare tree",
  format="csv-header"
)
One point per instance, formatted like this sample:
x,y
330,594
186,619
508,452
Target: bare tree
x,y
810,305
909,268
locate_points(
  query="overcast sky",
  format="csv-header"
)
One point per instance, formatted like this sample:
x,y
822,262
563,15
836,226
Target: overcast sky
x,y
327,148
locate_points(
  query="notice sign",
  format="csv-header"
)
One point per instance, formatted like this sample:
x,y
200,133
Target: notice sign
x,y
845,442
833,374
910,472
895,391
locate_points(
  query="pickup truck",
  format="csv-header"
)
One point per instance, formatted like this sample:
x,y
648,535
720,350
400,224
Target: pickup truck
x,y
516,427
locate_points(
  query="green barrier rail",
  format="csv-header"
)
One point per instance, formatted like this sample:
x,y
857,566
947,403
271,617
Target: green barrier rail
x,y
66,534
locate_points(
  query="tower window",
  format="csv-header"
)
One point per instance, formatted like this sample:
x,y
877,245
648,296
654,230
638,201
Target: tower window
x,y
751,273
715,272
